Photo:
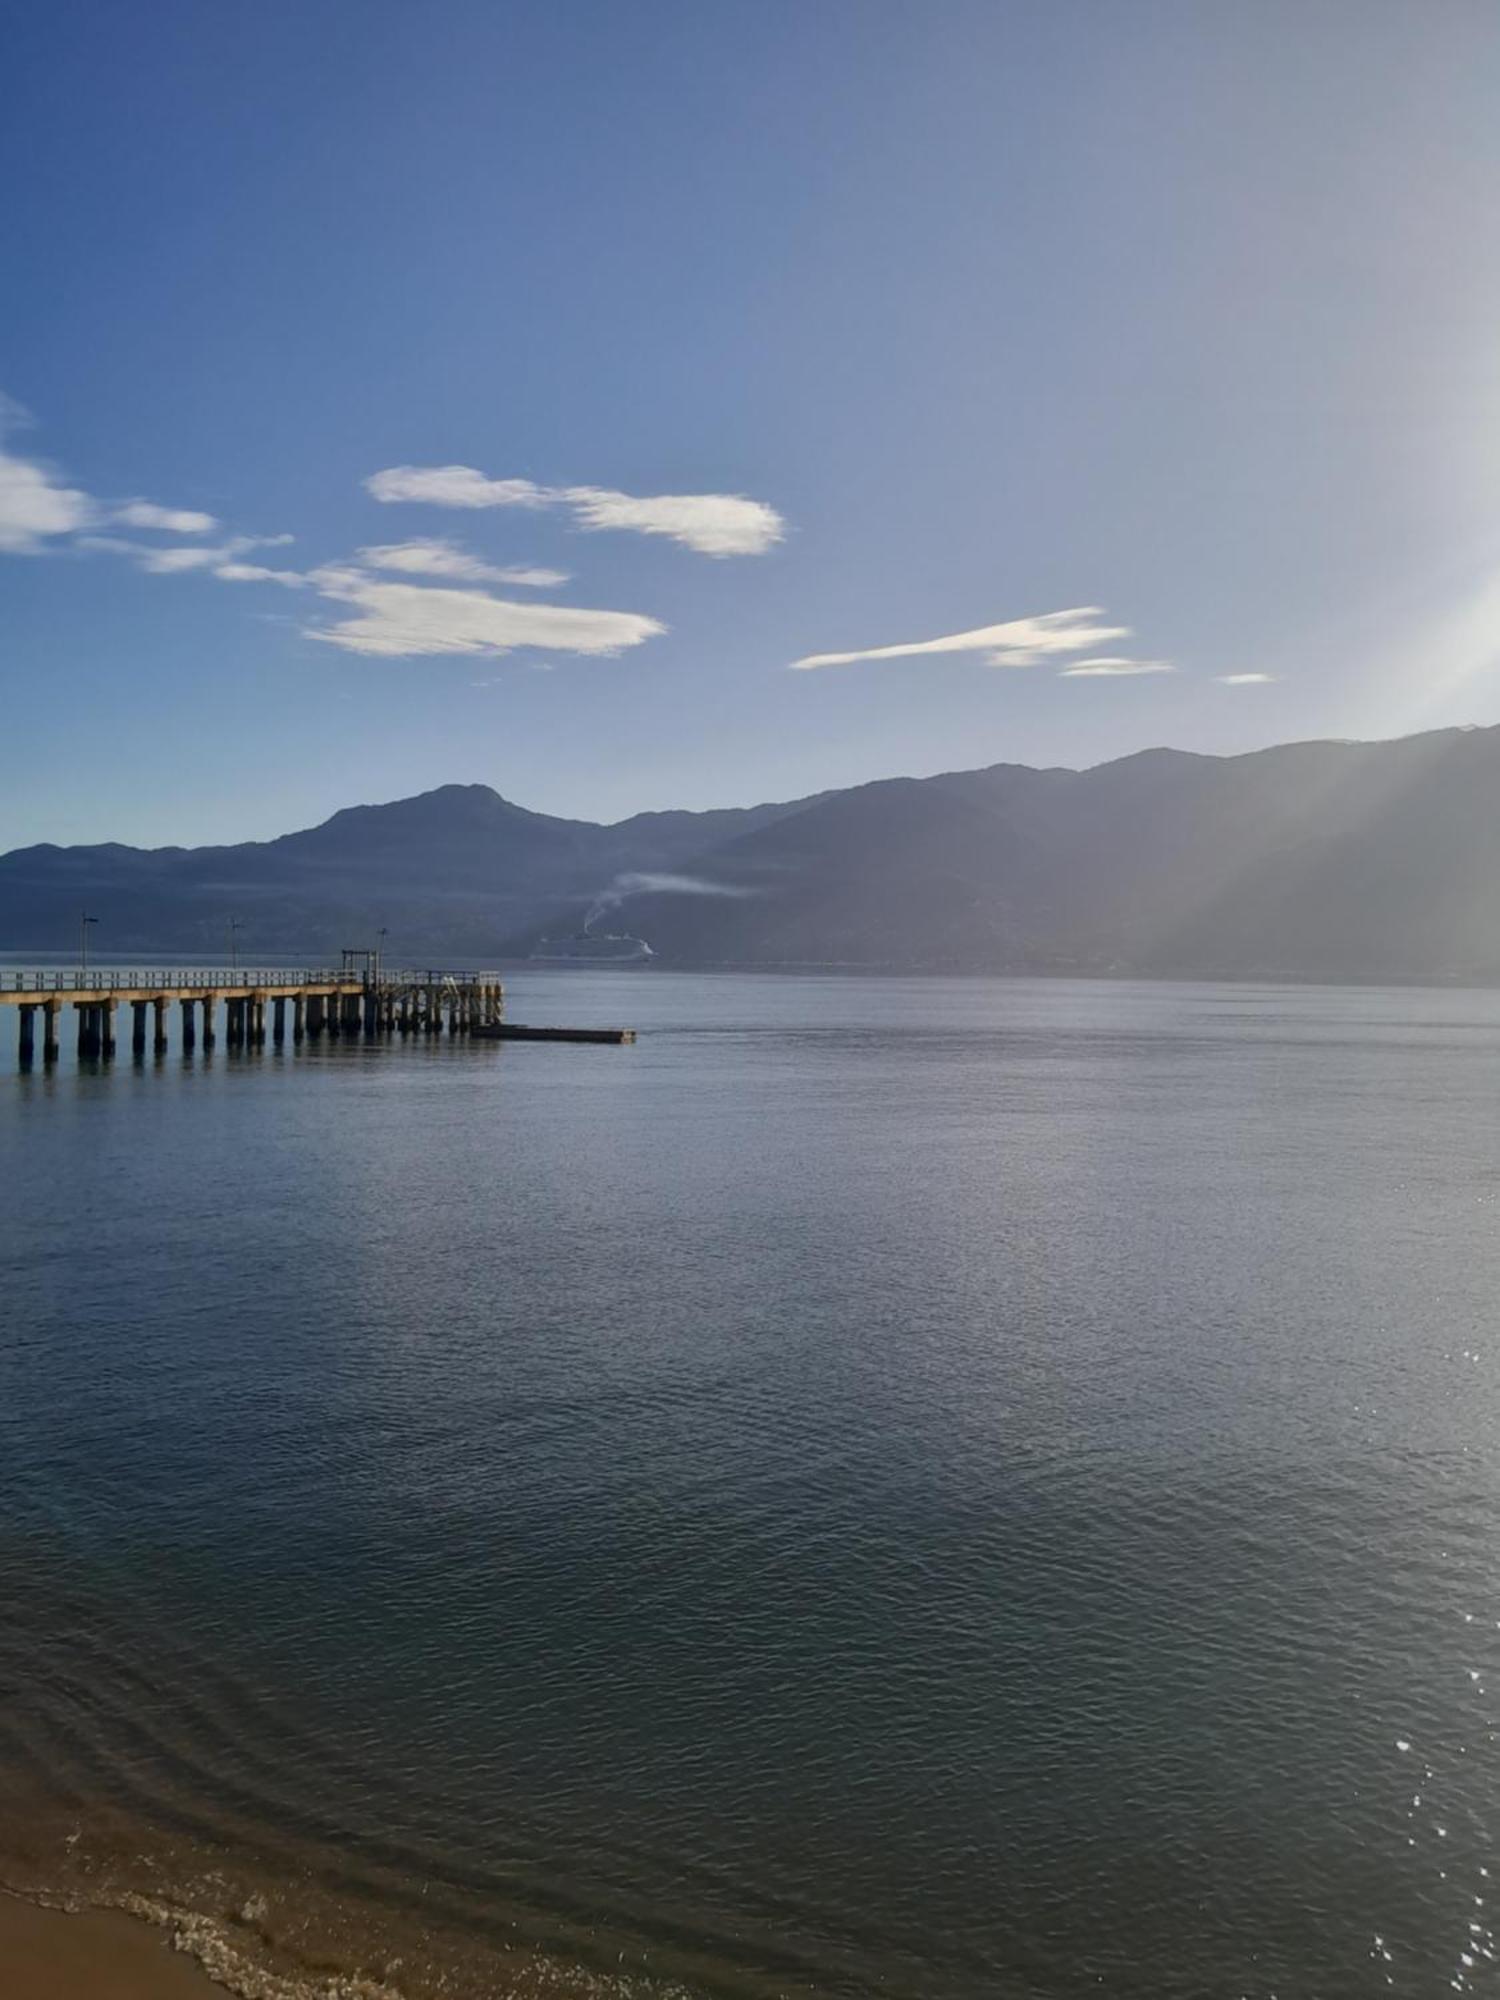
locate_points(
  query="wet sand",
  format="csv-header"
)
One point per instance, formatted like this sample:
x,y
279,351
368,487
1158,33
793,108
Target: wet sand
x,y
96,1955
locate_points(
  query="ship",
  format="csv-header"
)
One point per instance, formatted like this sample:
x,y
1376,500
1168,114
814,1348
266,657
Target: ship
x,y
591,948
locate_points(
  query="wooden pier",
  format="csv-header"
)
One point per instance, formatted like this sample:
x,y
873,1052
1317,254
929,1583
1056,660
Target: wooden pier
x,y
307,1004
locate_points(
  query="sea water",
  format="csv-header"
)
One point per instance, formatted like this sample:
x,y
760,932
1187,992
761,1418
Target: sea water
x,y
929,1488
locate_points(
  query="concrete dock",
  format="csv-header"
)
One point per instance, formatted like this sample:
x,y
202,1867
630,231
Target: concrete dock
x,y
515,1031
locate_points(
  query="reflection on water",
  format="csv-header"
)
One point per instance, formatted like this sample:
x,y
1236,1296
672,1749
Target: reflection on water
x,y
938,1488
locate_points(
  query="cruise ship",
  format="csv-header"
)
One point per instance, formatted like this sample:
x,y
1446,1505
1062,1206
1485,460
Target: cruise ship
x,y
591,948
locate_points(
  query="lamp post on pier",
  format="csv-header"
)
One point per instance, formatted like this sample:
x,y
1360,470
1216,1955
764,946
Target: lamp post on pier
x,y
84,920
235,927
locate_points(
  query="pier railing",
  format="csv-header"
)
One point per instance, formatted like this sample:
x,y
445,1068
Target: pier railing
x,y
110,979
213,979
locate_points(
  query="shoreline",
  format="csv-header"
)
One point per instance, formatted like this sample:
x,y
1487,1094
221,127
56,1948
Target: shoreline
x,y
53,1953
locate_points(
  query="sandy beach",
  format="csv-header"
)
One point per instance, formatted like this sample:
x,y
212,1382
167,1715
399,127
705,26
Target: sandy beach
x,y
96,1955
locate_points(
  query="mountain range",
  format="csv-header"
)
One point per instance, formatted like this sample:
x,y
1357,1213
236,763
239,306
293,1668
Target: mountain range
x,y
1330,860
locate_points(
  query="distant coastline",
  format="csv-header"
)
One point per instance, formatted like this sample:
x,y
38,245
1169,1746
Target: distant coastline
x,y
656,967
1345,863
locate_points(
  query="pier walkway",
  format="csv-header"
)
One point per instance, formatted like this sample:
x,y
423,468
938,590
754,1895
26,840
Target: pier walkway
x,y
309,1002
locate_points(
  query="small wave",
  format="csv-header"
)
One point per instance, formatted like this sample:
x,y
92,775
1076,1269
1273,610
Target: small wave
x,y
267,1939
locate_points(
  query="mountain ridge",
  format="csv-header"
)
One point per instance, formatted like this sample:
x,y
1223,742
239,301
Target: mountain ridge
x,y
1320,858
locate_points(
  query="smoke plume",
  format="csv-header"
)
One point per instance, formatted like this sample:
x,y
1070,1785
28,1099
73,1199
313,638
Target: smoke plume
x,y
650,884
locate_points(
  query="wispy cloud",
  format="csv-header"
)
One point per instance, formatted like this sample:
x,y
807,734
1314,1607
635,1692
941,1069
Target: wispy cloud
x,y
174,562
454,486
219,557
1244,680
431,556
403,620
400,600
1021,642
35,505
1114,668
170,520
714,524
238,572
400,619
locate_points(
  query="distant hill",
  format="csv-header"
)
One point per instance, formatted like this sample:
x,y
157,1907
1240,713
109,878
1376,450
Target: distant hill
x,y
1312,860
455,871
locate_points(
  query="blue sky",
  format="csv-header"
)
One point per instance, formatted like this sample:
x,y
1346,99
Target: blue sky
x,y
1165,336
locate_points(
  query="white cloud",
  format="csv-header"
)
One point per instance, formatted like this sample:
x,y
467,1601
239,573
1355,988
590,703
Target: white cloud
x,y
531,576
402,620
219,557
430,556
171,562
1114,669
454,486
1244,680
238,572
35,505
715,524
1022,642
171,520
